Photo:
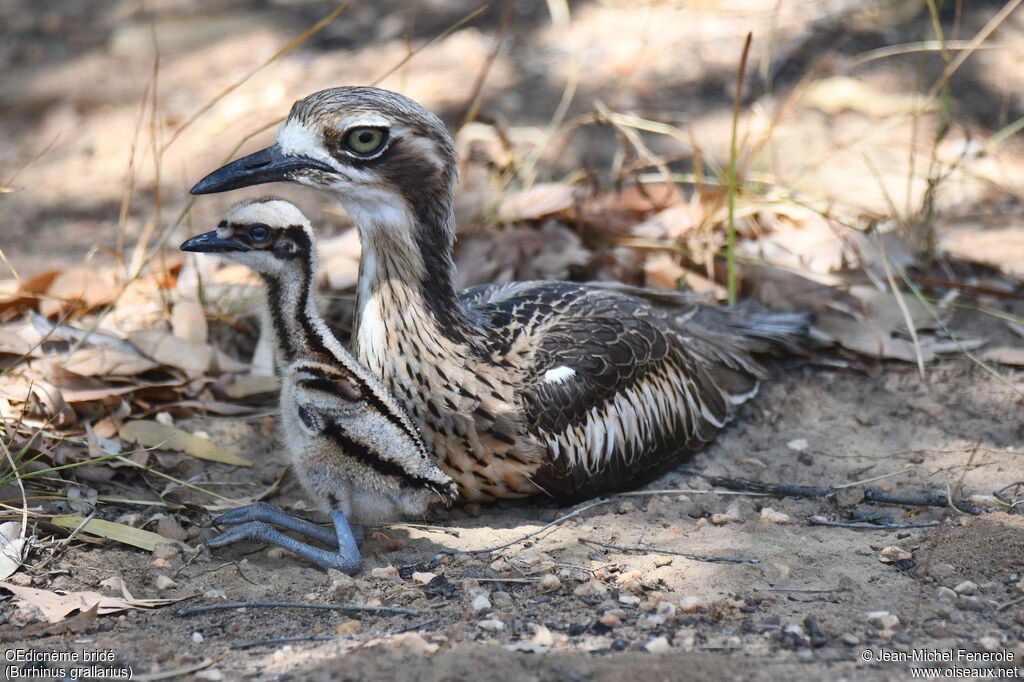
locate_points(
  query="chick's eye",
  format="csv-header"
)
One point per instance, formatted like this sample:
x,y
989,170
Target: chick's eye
x,y
365,141
259,233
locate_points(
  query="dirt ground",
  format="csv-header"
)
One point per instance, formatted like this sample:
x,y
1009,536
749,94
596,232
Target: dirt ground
x,y
805,603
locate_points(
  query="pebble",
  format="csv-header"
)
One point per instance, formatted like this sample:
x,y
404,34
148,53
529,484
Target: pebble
x,y
686,637
797,444
691,604
945,593
166,551
629,599
990,644
164,583
423,577
501,565
491,625
20,579
658,645
941,571
215,594
549,582
591,588
502,600
349,627
415,643
850,639
660,561
610,620
893,553
384,572
161,564
769,515
542,636
666,609
197,637
650,622
883,620
169,527
481,603
966,587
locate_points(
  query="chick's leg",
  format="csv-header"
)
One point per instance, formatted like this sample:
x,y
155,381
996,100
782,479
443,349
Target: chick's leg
x,y
268,513
346,559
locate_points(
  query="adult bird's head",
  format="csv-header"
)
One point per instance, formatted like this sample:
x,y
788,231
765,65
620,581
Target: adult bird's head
x,y
270,236
387,159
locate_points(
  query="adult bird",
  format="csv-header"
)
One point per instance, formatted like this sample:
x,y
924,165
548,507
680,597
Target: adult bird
x,y
531,387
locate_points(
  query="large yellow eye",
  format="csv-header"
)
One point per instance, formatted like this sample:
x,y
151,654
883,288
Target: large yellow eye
x,y
365,141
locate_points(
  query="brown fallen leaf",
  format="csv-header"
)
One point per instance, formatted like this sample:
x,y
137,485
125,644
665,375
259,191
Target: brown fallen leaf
x,y
56,606
152,434
247,385
83,285
537,202
104,362
80,622
662,270
1004,355
188,322
167,349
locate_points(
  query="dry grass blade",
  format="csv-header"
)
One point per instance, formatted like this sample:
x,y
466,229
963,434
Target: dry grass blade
x,y
443,34
152,434
111,530
730,235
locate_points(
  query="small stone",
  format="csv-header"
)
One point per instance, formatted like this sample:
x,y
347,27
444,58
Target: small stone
x,y
197,637
349,627
501,565
502,600
945,593
691,604
549,582
491,625
215,594
610,620
481,603
629,599
660,561
164,583
591,588
797,444
666,609
414,643
161,564
650,621
658,645
850,639
168,551
966,587
686,637
169,527
941,571
20,579
883,620
384,572
990,644
423,577
769,515
542,636
721,519
341,586
893,553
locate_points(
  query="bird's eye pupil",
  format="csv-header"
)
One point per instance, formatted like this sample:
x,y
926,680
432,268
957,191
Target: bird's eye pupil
x,y
366,137
259,233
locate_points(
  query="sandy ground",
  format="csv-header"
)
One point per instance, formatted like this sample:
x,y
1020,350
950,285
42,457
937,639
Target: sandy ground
x,y
801,611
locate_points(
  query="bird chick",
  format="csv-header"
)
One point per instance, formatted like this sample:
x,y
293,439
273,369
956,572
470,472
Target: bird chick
x,y
353,448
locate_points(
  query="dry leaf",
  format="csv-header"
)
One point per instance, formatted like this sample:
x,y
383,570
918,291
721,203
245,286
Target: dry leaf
x,y
672,223
104,362
111,530
252,384
80,622
1005,355
55,606
536,202
152,434
1000,247
188,322
12,548
91,287
662,270
167,349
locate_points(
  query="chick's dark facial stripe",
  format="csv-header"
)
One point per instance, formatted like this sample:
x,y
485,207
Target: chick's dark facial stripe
x,y
329,386
364,454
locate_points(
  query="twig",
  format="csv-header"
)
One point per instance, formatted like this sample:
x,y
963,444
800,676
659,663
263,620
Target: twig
x,y
1012,602
204,608
710,558
561,519
931,498
450,639
867,525
469,112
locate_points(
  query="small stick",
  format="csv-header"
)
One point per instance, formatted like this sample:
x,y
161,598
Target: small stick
x,y
931,498
867,525
204,608
686,555
560,519
1012,602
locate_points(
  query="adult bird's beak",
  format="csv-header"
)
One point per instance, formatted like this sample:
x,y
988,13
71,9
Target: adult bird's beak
x,y
266,165
209,242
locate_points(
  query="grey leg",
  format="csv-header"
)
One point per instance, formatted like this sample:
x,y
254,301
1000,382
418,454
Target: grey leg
x,y
345,559
268,513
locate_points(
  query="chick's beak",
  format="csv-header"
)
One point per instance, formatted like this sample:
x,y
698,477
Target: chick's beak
x,y
209,242
266,165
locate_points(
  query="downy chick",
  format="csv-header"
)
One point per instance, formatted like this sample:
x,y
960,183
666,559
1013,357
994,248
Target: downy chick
x,y
353,448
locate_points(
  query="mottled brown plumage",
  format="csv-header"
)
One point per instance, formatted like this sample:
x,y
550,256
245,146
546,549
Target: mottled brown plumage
x,y
554,387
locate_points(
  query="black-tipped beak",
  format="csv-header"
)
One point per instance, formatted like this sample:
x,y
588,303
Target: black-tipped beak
x,y
209,242
266,165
